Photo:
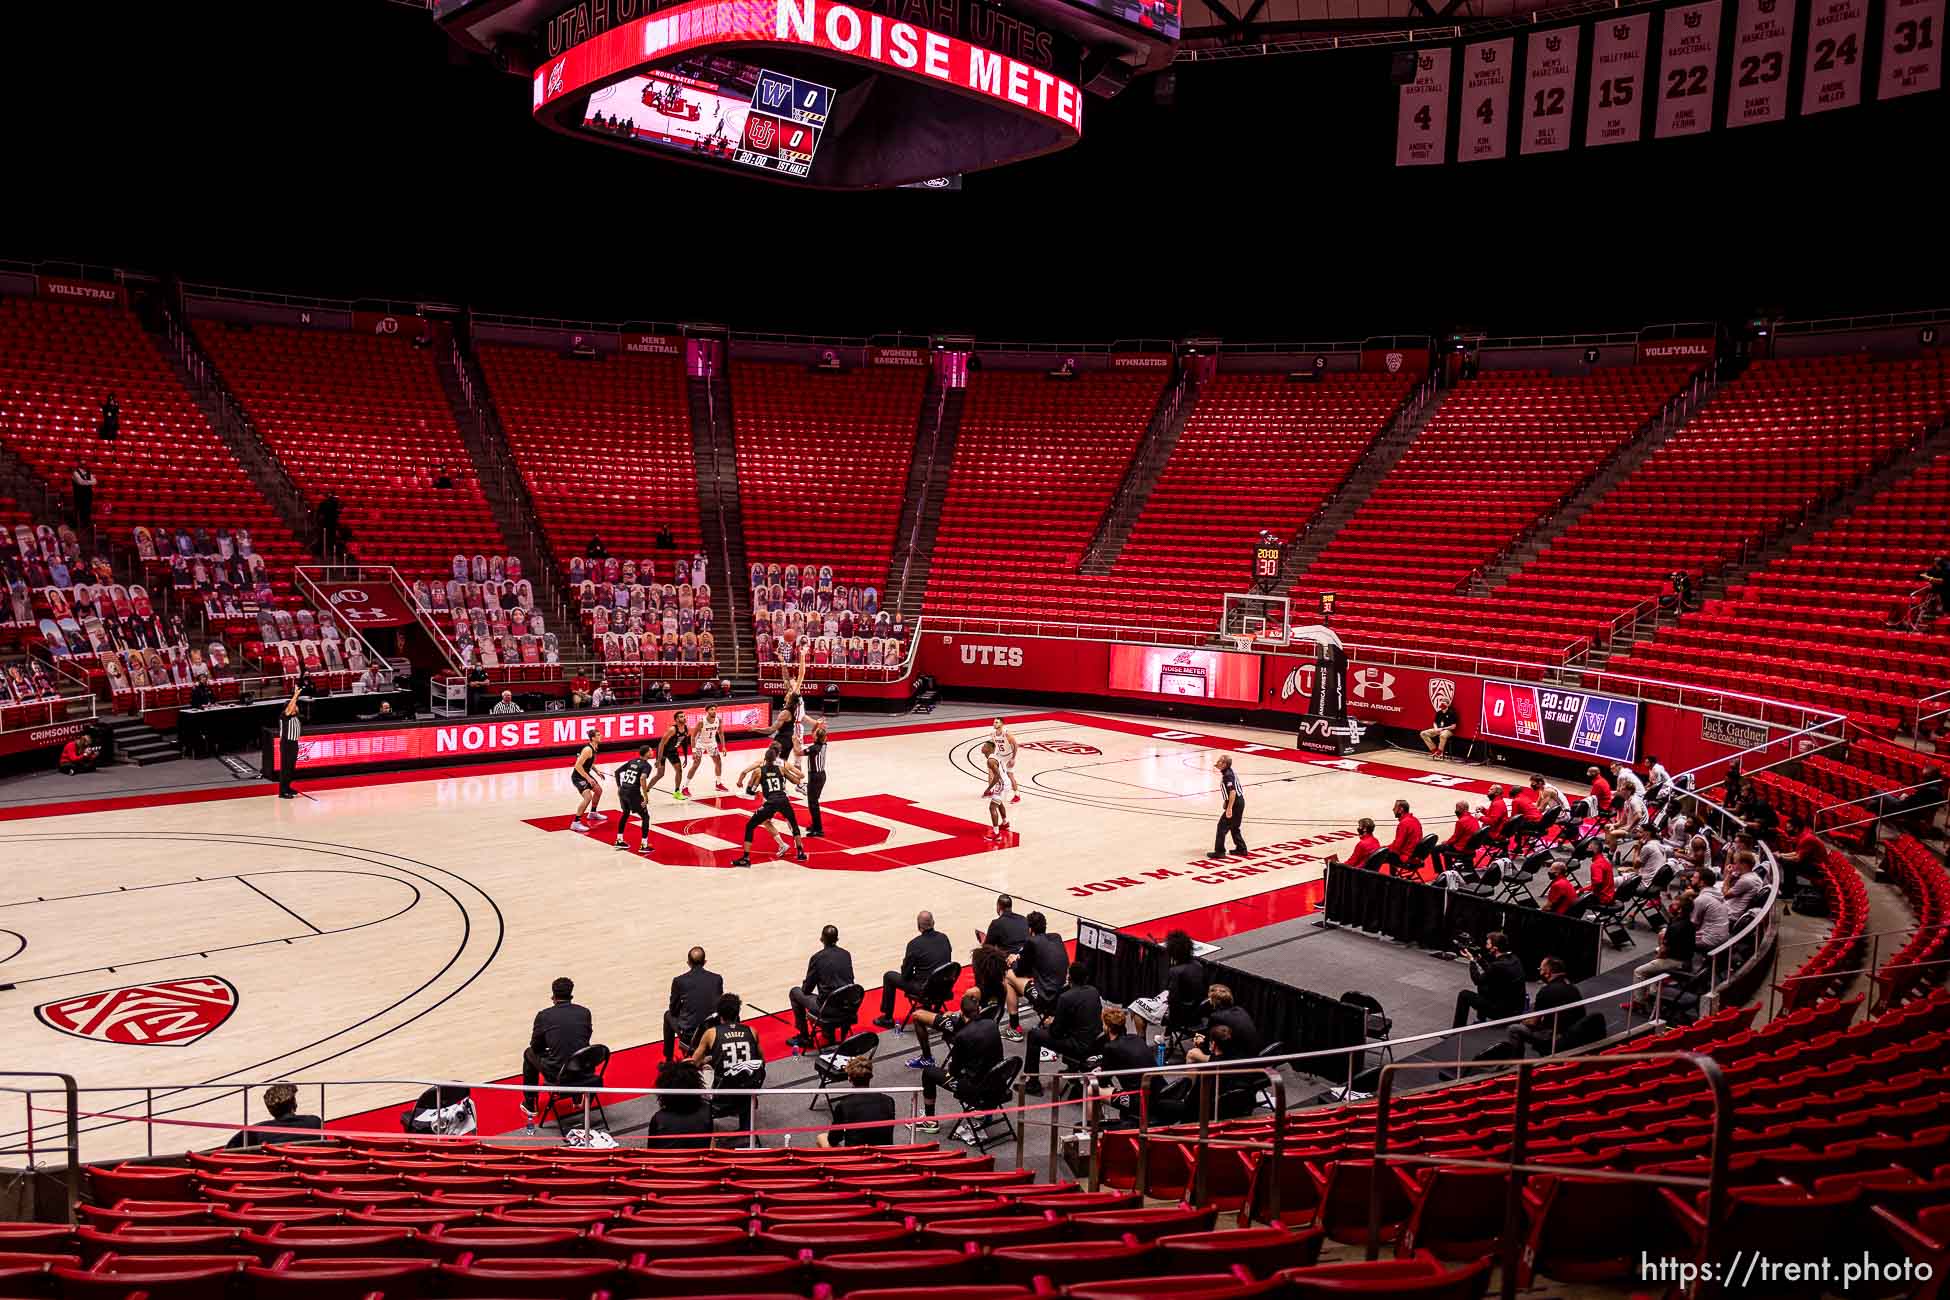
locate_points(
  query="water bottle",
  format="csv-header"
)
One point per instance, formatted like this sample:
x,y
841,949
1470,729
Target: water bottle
x,y
1161,1051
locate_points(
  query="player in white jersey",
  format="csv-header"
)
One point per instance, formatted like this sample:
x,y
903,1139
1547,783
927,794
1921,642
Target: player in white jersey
x,y
1005,753
709,742
996,790
795,703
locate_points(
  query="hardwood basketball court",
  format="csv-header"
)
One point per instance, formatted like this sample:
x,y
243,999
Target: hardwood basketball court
x,y
406,926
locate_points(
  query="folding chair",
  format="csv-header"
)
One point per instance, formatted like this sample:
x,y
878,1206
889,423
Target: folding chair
x,y
935,992
583,1070
993,1090
837,1015
829,1067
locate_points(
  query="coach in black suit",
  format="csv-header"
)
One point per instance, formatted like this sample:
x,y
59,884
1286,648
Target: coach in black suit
x,y
693,1000
926,950
561,1030
829,969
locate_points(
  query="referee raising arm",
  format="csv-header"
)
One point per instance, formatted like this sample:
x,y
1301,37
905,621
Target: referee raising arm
x,y
1231,812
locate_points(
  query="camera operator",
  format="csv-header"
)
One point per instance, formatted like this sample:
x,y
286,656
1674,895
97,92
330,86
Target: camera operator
x,y
1498,977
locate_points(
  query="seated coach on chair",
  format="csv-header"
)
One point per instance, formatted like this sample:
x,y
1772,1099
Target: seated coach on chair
x,y
561,1030
1365,847
829,969
1455,851
693,1000
1008,931
1408,834
926,950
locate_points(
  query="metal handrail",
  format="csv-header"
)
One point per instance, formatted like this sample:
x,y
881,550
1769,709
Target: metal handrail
x,y
302,575
70,1093
1512,1236
63,702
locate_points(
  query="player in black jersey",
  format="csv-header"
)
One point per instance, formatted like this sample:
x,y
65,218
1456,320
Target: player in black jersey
x,y
629,792
767,779
587,778
671,753
731,1048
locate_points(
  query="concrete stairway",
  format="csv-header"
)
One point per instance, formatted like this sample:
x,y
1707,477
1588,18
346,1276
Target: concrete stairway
x,y
507,495
936,434
714,446
1388,447
1161,435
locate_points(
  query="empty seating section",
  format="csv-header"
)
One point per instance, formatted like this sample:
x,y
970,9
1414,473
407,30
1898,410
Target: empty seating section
x,y
166,469
1840,952
1036,463
1784,436
1836,1119
363,417
604,445
1501,451
1821,624
822,463
1925,883
1258,439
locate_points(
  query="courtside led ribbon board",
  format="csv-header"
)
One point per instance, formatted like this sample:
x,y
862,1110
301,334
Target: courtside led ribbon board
x,y
837,29
521,735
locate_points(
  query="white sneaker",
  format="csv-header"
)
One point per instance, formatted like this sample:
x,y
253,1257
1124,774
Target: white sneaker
x,y
964,1133
578,825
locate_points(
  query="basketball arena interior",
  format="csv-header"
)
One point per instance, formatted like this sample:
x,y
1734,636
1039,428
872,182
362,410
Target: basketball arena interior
x,y
1347,597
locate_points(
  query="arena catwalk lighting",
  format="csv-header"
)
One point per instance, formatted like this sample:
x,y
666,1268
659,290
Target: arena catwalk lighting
x,y
823,93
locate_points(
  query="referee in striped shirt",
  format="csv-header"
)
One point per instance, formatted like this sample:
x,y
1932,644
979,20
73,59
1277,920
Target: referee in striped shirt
x,y
815,761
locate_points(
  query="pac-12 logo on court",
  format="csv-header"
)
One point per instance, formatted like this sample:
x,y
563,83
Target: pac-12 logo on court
x,y
1061,747
170,1013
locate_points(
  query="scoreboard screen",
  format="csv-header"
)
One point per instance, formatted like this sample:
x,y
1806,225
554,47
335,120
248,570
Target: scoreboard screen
x,y
720,111
1574,722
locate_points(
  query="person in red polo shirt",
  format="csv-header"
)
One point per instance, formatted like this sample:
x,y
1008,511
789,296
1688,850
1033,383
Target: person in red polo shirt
x,y
1496,811
1563,890
1604,881
1454,850
1805,858
1365,847
1600,790
1408,833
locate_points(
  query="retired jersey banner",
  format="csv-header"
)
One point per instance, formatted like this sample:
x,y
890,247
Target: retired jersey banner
x,y
1616,108
1484,132
1550,75
1422,116
1689,54
1762,36
1912,48
1832,75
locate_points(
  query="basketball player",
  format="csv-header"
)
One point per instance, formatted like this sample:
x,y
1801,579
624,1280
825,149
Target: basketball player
x,y
710,736
732,1050
996,792
1005,750
795,707
630,778
767,778
671,752
587,778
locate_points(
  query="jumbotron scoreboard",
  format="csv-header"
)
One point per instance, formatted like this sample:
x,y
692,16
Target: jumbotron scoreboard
x,y
1573,722
832,94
